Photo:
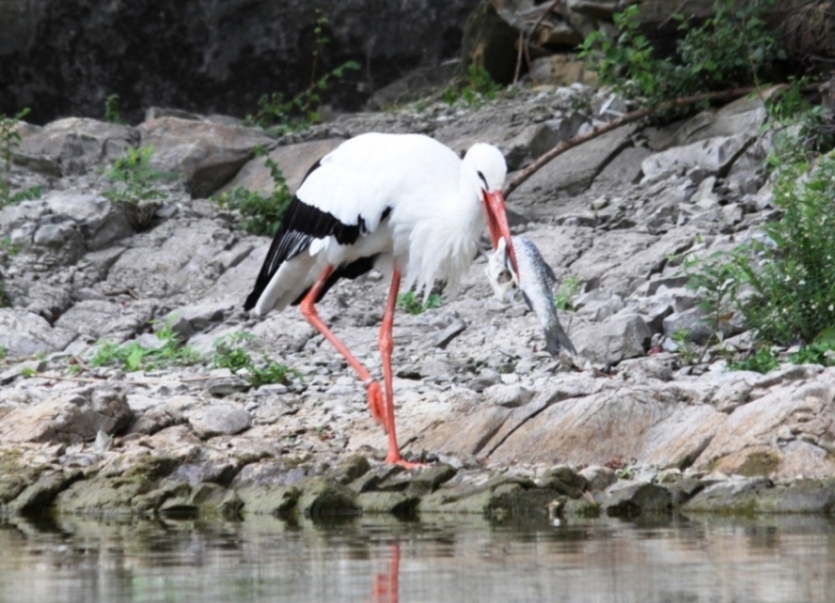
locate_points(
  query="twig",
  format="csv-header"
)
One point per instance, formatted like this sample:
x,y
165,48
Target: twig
x,y
598,131
148,381
527,42
519,58
673,14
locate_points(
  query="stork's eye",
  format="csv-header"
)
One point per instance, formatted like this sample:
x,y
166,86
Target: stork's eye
x,y
484,180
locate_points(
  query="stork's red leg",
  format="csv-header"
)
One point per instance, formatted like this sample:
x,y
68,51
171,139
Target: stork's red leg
x,y
386,348
308,309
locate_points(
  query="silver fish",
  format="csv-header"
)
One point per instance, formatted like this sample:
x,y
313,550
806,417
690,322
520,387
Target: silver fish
x,y
536,282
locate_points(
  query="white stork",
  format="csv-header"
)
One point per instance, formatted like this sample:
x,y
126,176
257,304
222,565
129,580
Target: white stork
x,y
403,203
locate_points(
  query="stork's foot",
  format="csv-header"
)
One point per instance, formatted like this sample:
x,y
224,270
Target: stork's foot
x,y
375,402
396,459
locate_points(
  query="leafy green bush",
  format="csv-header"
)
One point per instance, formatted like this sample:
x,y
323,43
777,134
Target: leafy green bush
x,y
231,355
792,273
782,281
733,48
262,214
134,177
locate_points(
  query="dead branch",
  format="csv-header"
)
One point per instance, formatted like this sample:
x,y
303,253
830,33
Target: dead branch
x,y
145,381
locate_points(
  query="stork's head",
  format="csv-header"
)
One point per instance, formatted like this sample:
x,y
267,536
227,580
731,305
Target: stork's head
x,y
490,169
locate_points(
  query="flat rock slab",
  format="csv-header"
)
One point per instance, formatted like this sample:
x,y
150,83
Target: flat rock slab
x,y
206,155
758,496
293,160
573,171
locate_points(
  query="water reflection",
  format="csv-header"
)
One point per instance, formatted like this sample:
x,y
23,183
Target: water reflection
x,y
381,559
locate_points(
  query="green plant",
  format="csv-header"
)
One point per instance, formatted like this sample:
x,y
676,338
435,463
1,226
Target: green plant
x,y
134,356
262,214
688,352
473,88
134,176
9,247
408,301
762,360
230,354
279,115
4,352
717,279
9,142
732,48
111,110
4,296
568,288
822,352
812,127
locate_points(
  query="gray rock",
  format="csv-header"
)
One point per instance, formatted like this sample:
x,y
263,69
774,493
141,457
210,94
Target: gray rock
x,y
293,160
598,478
220,418
714,156
24,333
508,396
442,338
735,495
321,498
573,171
156,419
693,323
74,145
69,418
624,335
106,319
21,368
630,499
206,155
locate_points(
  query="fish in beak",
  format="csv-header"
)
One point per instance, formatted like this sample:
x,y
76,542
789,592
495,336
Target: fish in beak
x,y
494,208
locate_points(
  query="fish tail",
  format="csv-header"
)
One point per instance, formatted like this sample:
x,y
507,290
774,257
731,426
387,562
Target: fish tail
x,y
556,338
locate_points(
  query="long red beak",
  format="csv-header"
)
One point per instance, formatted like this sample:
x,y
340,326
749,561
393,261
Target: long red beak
x,y
494,207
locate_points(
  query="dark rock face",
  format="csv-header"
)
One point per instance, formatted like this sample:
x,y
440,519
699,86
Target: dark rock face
x,y
63,57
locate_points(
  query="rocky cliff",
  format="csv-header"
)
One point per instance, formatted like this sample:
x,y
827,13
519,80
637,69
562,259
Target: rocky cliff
x,y
65,58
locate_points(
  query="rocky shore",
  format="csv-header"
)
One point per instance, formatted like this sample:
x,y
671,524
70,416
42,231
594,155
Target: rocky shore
x,y
637,423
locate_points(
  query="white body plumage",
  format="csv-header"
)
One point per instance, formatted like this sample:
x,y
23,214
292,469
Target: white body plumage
x,y
412,201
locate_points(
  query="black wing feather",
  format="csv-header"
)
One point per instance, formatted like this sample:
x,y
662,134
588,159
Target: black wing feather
x,y
350,271
302,224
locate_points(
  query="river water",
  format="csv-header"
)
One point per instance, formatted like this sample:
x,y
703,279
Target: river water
x,y
382,559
